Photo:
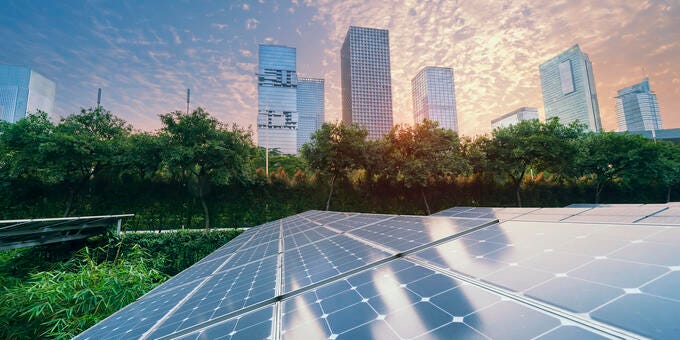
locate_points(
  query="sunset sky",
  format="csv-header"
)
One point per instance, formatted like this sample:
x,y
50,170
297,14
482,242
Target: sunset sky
x,y
145,54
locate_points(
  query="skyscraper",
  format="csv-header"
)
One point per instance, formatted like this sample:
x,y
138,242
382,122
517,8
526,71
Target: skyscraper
x,y
569,89
434,97
24,91
277,117
637,108
516,116
310,107
366,80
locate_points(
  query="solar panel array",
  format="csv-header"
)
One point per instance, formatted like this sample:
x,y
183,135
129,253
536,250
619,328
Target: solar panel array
x,y
460,274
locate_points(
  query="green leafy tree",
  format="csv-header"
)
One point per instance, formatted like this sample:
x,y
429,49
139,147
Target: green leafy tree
x,y
335,150
423,155
665,166
82,146
22,148
201,151
608,157
515,149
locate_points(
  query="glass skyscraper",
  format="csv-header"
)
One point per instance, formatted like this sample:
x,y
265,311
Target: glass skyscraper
x,y
516,116
434,97
24,91
277,116
310,107
637,108
569,89
366,80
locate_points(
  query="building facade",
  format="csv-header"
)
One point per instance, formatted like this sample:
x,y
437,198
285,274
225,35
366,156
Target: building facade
x,y
277,116
24,91
434,97
366,80
310,107
637,108
568,87
514,117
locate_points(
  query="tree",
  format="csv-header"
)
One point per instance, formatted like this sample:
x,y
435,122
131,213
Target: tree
x,y
82,146
200,151
666,168
423,154
610,157
335,150
513,150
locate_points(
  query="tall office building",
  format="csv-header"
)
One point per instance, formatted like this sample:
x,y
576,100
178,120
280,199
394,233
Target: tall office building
x,y
637,108
277,117
514,117
310,107
569,89
24,91
434,97
366,80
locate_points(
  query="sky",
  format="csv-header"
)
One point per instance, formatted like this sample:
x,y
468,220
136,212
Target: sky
x,y
145,54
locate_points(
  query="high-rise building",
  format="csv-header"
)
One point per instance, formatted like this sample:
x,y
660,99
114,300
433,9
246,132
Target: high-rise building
x,y
434,97
569,89
516,116
277,117
366,80
637,108
24,91
310,107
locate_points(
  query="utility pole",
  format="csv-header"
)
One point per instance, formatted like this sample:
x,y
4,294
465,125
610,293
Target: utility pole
x,y
99,98
188,99
266,143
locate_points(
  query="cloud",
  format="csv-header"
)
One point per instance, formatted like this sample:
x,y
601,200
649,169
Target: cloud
x,y
495,49
251,23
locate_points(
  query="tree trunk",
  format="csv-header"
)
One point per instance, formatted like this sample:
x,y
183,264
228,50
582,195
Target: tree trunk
x,y
328,202
598,191
518,197
427,206
518,186
668,194
201,196
206,213
69,202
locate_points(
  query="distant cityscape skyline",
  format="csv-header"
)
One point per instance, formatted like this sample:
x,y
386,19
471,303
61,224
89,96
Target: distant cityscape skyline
x,y
159,51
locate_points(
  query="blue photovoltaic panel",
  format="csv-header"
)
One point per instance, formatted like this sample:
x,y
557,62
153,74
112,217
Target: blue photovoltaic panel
x,y
406,232
222,294
357,221
578,268
324,259
340,275
403,300
253,325
136,318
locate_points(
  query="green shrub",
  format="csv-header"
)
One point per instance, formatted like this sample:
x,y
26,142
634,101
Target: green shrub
x,y
64,302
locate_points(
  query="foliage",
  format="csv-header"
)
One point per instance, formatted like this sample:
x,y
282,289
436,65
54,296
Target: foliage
x,y
423,155
200,151
513,150
64,302
335,150
57,291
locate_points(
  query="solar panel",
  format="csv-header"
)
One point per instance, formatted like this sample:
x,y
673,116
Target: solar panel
x,y
339,275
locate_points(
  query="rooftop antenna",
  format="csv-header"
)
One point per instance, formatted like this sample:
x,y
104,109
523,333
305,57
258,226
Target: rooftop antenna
x,y
99,98
188,99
